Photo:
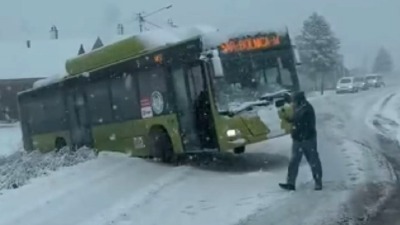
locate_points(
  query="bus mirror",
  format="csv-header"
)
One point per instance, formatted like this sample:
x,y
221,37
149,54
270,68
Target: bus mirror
x,y
296,55
217,65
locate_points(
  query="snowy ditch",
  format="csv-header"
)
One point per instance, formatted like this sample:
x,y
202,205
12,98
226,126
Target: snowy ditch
x,y
17,169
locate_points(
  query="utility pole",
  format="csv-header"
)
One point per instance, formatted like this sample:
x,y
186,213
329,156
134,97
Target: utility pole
x,y
141,21
142,18
171,23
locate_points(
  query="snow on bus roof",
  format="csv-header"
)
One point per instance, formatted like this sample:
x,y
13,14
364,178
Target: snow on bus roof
x,y
212,37
161,37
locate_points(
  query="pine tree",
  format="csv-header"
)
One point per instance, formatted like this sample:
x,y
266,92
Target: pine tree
x,y
383,62
81,50
97,44
319,49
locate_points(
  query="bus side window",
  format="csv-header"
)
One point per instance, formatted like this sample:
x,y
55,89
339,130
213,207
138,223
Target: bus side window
x,y
39,118
124,97
99,103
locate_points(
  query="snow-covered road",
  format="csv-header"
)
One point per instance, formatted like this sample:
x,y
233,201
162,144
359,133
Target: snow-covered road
x,y
115,189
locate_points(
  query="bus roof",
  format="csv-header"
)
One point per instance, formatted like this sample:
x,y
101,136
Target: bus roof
x,y
126,47
146,42
130,47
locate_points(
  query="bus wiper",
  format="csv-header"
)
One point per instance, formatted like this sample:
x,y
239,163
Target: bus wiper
x,y
247,106
274,95
276,98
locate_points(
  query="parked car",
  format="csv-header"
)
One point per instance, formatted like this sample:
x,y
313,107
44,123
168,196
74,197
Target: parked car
x,y
346,85
375,80
361,83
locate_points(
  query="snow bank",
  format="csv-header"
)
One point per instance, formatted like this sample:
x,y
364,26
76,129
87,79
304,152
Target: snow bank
x,y
17,169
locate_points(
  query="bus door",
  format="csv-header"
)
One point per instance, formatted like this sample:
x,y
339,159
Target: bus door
x,y
188,86
79,122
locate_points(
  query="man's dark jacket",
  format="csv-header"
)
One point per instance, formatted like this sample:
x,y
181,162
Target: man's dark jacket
x,y
304,122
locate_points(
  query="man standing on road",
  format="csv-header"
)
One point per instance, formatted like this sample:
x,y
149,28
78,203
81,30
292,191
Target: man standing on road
x,y
304,135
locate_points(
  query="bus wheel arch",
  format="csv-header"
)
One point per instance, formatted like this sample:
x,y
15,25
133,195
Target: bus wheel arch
x,y
161,144
59,143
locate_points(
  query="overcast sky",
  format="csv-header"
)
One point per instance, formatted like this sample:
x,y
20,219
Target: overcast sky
x,y
362,25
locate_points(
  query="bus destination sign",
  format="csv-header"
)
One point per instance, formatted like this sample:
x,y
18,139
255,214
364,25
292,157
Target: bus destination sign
x,y
250,44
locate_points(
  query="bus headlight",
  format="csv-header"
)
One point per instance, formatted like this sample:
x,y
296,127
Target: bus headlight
x,y
233,133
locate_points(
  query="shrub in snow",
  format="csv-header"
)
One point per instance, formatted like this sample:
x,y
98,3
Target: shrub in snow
x,y
17,169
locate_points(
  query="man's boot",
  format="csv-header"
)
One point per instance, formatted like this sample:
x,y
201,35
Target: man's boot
x,y
318,186
289,187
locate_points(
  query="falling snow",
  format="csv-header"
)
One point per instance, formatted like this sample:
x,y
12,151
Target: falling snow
x,y
113,137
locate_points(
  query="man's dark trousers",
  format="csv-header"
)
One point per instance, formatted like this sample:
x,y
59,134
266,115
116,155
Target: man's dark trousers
x,y
309,149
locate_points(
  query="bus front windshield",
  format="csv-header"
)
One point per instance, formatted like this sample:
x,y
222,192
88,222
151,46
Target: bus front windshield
x,y
247,78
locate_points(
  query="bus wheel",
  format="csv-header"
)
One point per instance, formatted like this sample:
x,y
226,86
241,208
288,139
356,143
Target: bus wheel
x,y
59,143
239,150
161,146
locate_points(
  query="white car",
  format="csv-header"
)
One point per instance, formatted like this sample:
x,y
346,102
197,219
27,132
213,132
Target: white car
x,y
346,85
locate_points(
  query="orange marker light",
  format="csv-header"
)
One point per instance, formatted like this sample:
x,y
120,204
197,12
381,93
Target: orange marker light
x,y
158,58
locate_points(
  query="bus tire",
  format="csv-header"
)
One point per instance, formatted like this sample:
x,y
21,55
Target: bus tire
x,y
239,150
161,145
59,143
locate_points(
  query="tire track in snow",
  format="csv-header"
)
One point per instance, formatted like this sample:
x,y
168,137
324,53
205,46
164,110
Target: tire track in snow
x,y
383,123
389,212
337,185
90,190
332,202
118,213
386,100
370,196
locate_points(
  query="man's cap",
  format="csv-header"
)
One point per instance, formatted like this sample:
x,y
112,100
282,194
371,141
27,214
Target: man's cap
x,y
299,97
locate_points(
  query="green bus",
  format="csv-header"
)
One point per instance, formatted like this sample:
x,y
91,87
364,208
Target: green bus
x,y
191,96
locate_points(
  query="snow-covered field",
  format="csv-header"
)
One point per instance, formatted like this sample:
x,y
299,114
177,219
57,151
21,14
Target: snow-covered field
x,y
116,189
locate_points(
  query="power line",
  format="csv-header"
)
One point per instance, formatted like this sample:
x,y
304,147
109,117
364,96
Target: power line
x,y
142,20
157,11
153,24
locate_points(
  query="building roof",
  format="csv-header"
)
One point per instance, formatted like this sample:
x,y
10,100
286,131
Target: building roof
x,y
44,57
